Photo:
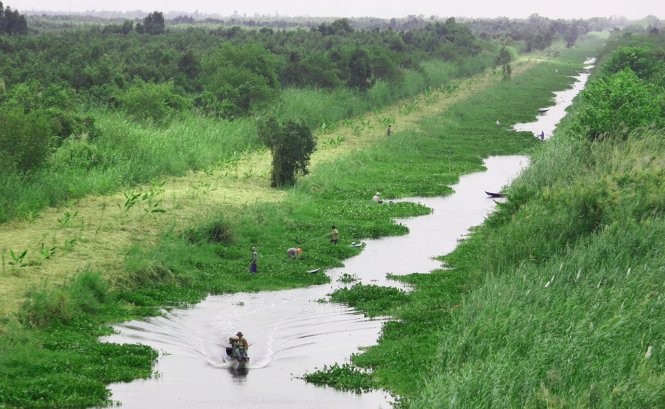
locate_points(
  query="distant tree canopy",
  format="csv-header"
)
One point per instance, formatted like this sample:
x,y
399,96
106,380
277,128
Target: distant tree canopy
x,y
11,22
153,23
536,32
240,77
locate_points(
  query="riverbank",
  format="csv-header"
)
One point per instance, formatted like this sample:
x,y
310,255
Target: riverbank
x,y
554,302
60,359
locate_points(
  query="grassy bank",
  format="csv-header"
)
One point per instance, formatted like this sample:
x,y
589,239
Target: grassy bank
x,y
554,302
128,152
50,356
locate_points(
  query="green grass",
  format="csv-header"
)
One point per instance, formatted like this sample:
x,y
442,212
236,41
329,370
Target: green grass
x,y
63,365
126,154
569,295
129,152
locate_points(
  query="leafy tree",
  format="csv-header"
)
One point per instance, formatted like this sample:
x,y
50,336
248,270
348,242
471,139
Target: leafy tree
x,y
53,103
240,77
315,70
639,59
338,27
153,23
11,22
504,57
291,144
25,139
153,102
360,71
618,103
383,65
571,35
190,68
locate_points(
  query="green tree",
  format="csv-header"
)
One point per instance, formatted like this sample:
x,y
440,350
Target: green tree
x,y
504,57
25,139
617,104
11,21
360,71
240,77
291,144
639,59
153,102
153,23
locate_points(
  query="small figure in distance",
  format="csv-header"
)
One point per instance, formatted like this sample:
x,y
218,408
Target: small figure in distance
x,y
254,261
498,123
542,135
389,131
293,252
377,197
334,235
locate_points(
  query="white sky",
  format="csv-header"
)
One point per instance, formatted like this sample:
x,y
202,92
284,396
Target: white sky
x,y
633,9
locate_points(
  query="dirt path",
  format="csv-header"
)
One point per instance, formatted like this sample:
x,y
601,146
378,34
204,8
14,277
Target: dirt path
x,y
96,231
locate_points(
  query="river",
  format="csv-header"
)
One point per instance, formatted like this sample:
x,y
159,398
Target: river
x,y
291,332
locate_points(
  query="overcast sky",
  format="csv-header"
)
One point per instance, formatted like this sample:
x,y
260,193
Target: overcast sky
x,y
632,9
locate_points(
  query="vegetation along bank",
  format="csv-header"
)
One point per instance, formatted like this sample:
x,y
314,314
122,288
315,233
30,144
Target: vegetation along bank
x,y
50,354
557,300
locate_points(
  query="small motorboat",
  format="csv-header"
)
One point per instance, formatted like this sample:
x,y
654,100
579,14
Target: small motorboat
x,y
316,270
240,359
543,110
494,194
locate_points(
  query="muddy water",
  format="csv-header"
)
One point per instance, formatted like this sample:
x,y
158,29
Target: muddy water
x,y
290,332
548,120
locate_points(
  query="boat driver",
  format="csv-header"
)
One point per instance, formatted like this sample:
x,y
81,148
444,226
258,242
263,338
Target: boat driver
x,y
239,344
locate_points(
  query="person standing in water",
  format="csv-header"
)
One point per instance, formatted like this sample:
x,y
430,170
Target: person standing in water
x,y
542,135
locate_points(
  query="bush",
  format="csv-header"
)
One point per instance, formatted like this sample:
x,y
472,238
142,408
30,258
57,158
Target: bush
x,y
152,102
639,59
85,293
25,140
619,103
291,144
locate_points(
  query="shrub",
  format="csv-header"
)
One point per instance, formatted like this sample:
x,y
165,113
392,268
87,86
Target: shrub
x,y
25,140
152,102
291,144
618,103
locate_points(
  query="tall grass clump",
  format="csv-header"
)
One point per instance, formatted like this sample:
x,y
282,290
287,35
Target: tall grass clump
x,y
86,293
125,153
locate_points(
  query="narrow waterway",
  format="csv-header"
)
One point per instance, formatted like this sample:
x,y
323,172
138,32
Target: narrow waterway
x,y
291,332
550,116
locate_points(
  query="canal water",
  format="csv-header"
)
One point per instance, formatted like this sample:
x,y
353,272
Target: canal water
x,y
550,116
292,332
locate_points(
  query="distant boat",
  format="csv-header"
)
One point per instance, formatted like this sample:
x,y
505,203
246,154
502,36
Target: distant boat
x,y
543,110
316,270
494,194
